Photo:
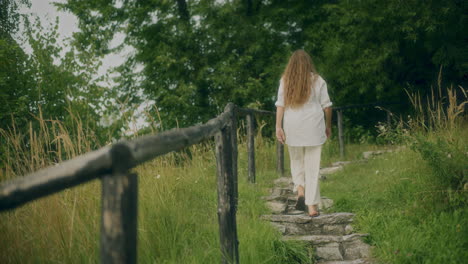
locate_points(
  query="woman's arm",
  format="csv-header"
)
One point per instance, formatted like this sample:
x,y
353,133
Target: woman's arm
x,y
279,124
328,120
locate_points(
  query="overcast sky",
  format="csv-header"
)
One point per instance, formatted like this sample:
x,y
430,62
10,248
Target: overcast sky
x,y
68,23
47,12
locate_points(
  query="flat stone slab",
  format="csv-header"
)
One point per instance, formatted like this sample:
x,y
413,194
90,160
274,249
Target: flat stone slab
x,y
331,251
355,249
317,240
301,224
368,154
275,197
330,247
330,235
325,203
356,261
341,163
330,170
335,218
281,191
283,181
277,207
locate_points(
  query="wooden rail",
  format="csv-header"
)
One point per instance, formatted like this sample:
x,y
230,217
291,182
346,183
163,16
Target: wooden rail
x,y
120,188
339,113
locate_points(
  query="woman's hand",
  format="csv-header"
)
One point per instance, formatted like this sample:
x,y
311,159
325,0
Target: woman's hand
x,y
280,135
328,132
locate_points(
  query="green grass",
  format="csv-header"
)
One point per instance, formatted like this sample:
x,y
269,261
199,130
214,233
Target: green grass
x,y
405,213
392,195
177,221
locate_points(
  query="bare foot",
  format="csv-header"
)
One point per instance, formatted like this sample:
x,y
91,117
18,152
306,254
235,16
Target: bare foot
x,y
313,211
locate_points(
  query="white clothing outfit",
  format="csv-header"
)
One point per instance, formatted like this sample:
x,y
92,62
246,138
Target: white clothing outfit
x,y
304,128
305,167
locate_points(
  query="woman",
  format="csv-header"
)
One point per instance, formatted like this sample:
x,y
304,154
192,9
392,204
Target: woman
x,y
302,100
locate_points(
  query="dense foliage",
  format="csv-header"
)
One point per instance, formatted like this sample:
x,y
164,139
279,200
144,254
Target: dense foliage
x,y
46,83
192,57
198,55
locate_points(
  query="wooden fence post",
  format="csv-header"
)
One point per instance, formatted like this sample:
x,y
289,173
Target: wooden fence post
x,y
119,210
226,197
234,151
251,147
279,158
340,132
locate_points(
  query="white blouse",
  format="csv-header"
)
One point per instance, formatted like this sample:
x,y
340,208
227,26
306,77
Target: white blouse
x,y
305,125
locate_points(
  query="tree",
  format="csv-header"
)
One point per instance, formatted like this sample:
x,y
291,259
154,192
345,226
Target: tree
x,y
15,80
198,55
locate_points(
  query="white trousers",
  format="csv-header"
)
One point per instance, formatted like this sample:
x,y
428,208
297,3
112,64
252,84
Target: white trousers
x,y
305,169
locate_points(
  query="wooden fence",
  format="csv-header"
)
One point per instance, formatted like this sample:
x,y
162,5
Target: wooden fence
x,y
118,241
339,120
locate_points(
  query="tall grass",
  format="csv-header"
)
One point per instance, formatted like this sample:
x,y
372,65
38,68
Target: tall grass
x,y
45,142
442,111
438,134
414,203
177,219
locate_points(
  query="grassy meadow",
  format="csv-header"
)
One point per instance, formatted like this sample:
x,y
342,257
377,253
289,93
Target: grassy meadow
x,y
397,202
177,220
413,203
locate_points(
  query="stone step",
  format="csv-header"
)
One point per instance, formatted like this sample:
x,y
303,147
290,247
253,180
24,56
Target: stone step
x,y
341,163
370,154
318,240
330,235
282,206
283,181
330,170
325,224
278,194
277,207
333,218
325,202
356,261
336,248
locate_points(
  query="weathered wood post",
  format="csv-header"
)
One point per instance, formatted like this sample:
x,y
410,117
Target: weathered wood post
x,y
119,209
340,132
233,109
226,197
251,147
279,158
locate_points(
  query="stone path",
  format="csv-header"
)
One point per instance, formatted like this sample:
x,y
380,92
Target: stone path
x,y
330,234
